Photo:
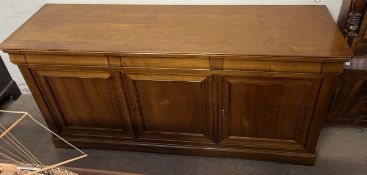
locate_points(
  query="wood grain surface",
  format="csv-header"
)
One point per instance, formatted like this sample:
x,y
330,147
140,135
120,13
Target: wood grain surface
x,y
237,81
219,30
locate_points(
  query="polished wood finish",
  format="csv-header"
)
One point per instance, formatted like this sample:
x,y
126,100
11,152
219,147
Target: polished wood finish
x,y
289,108
238,81
349,107
351,21
65,29
84,101
175,107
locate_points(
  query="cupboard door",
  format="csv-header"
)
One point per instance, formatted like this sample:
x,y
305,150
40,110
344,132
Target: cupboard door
x,y
266,111
85,102
171,107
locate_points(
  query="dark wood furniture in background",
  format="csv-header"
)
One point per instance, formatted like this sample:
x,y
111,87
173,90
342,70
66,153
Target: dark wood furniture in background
x,y
8,87
239,81
350,105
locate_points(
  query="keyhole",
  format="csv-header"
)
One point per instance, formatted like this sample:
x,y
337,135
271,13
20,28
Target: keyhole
x,y
223,113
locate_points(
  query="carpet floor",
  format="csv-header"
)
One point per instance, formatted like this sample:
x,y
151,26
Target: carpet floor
x,y
340,151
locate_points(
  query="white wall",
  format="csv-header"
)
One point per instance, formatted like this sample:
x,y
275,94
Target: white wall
x,y
15,12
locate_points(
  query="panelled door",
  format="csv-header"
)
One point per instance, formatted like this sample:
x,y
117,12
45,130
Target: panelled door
x,y
85,102
266,111
174,107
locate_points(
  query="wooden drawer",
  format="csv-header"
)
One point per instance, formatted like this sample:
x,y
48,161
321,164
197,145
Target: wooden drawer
x,y
166,62
74,60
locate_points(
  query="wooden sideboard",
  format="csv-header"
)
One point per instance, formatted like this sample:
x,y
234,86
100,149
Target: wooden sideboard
x,y
238,81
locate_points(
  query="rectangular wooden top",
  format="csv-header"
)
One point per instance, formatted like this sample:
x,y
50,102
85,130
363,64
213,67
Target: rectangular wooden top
x,y
289,31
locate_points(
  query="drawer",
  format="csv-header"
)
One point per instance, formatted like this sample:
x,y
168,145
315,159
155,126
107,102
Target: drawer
x,y
271,65
75,60
166,62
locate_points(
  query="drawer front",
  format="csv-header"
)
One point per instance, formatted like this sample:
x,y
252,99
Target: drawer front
x,y
70,60
272,66
166,62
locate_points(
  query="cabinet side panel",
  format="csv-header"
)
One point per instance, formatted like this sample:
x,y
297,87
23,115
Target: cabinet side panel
x,y
37,95
326,91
